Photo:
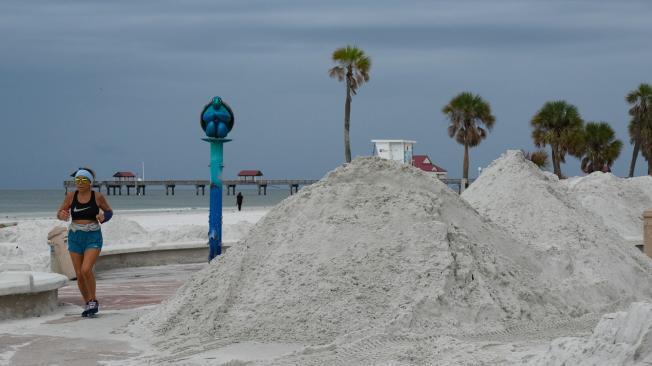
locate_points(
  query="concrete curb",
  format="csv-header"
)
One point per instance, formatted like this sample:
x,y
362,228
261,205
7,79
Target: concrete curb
x,y
162,254
26,294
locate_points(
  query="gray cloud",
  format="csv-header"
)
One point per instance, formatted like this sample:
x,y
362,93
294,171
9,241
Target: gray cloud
x,y
123,81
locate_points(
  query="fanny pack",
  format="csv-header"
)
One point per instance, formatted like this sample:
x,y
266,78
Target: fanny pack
x,y
84,227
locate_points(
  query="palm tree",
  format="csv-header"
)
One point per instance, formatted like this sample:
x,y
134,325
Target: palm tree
x,y
646,144
640,101
600,147
353,66
466,113
539,157
559,125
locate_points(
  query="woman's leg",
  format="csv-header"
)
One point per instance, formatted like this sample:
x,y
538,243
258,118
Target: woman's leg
x,y
77,260
89,259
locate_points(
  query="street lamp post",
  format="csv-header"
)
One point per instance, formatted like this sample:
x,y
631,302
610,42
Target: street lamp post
x,y
217,121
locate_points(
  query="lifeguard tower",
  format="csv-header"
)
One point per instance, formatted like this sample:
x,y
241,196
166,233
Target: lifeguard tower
x,y
397,150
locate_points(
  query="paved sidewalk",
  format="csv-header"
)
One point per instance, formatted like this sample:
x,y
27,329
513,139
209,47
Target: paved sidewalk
x,y
65,338
129,288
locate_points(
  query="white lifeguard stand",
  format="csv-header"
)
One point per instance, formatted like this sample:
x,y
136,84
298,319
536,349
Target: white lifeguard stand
x,y
397,150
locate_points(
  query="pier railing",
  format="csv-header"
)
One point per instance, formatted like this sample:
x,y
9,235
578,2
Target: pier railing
x,y
115,186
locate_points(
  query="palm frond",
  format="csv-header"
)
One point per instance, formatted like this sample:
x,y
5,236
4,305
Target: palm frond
x,y
558,124
337,72
601,146
538,157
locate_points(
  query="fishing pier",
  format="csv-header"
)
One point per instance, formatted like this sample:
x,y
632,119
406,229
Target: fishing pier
x,y
113,187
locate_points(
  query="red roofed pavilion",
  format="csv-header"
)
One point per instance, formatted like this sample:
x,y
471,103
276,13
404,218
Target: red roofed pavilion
x,y
424,163
244,174
124,176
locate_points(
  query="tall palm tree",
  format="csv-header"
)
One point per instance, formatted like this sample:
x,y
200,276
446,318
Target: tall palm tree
x,y
646,144
353,66
559,125
467,112
640,101
600,147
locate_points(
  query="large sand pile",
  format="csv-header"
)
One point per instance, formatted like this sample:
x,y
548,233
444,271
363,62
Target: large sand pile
x,y
373,246
619,202
593,268
644,183
623,338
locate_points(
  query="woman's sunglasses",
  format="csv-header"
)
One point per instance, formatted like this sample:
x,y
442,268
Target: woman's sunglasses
x,y
81,180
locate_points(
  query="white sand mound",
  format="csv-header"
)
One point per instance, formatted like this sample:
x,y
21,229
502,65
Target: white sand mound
x,y
123,231
592,267
27,243
619,202
374,245
623,339
644,183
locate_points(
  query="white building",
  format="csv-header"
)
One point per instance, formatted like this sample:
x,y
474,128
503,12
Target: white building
x,y
397,150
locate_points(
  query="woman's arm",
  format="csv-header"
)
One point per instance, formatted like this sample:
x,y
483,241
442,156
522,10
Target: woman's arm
x,y
107,212
64,210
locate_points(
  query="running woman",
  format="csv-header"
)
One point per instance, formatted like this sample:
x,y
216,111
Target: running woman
x,y
88,209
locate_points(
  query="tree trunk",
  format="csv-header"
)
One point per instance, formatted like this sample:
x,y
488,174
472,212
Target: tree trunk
x,y
632,165
553,157
559,174
649,166
347,116
466,163
556,164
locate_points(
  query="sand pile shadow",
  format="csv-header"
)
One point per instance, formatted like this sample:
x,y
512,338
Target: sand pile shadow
x,y
587,265
373,245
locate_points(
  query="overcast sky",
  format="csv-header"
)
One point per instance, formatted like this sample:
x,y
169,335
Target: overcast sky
x,y
111,84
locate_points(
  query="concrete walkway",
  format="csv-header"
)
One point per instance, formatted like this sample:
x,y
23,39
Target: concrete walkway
x,y
65,338
129,288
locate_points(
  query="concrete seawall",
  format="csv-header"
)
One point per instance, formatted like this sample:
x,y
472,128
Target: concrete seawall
x,y
175,253
162,254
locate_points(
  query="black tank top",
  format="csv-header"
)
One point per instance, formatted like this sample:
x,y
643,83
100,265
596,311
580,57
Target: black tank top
x,y
84,211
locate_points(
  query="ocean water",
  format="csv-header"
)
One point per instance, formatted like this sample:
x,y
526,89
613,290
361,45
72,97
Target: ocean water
x,y
44,203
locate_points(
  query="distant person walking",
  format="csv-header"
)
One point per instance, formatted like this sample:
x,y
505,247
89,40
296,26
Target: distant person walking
x,y
88,209
238,200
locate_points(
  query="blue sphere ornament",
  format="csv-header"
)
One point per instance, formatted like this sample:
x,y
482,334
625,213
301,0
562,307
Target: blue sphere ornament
x,y
209,115
217,118
222,114
216,102
211,131
222,130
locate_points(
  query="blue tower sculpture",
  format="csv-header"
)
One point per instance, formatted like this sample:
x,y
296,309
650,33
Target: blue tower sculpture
x,y
216,121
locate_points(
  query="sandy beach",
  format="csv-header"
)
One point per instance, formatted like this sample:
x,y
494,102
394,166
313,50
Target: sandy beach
x,y
26,242
522,268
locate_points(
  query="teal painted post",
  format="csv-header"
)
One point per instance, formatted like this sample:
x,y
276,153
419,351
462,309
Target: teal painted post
x,y
217,162
217,121
215,213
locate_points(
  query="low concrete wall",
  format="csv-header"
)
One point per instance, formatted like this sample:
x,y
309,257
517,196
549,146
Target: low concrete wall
x,y
25,294
153,256
27,305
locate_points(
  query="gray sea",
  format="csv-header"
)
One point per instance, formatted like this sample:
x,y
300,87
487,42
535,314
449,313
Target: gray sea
x,y
44,203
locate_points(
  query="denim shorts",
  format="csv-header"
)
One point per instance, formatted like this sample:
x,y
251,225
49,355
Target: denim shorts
x,y
79,240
